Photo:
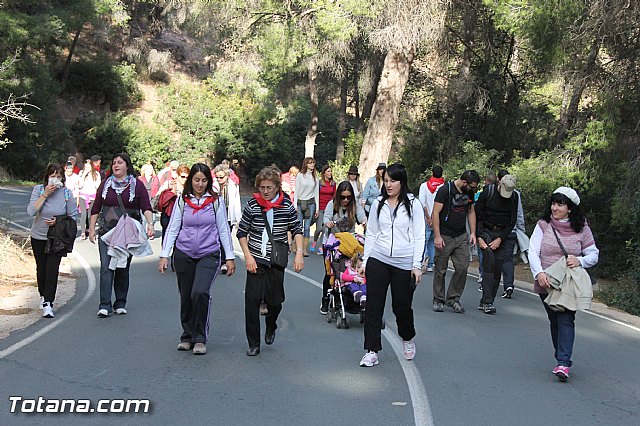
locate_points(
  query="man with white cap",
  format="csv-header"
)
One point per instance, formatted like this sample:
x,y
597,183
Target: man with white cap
x,y
519,232
497,213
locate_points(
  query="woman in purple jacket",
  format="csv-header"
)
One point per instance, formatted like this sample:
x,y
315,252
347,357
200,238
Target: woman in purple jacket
x,y
198,228
123,185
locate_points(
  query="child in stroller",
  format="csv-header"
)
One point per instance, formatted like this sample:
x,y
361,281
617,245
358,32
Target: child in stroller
x,y
354,281
340,250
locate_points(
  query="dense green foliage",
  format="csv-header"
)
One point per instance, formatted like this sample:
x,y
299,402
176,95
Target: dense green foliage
x,y
548,90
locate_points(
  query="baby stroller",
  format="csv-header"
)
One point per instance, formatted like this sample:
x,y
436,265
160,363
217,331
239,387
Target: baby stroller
x,y
338,249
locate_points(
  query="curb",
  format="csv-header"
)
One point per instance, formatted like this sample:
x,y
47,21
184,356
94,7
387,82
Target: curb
x,y
597,308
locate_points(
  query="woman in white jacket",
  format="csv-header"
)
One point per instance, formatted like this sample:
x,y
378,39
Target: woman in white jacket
x,y
392,256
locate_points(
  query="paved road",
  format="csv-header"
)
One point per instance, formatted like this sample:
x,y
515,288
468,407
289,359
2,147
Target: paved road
x,y
470,369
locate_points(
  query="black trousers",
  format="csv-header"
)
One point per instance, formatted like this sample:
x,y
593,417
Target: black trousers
x,y
47,268
379,276
492,261
266,284
195,277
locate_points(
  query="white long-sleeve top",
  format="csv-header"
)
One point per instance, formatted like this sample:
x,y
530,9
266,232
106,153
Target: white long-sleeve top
x,y
427,197
307,188
232,200
588,259
397,241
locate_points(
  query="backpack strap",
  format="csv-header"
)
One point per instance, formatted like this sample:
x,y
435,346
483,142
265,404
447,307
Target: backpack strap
x,y
446,218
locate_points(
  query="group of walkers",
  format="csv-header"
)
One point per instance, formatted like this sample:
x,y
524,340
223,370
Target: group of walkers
x,y
405,236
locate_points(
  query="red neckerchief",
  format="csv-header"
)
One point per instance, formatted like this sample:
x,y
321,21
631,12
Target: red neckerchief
x,y
434,183
197,207
268,205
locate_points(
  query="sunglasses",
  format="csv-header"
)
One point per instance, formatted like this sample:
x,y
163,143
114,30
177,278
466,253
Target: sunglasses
x,y
345,197
184,176
220,177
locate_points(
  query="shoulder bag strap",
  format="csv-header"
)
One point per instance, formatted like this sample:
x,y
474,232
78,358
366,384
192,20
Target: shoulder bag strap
x,y
560,242
124,211
268,228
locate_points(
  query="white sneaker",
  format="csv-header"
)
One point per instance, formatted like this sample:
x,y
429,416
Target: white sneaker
x,y
429,269
369,359
47,310
409,349
41,302
121,311
103,313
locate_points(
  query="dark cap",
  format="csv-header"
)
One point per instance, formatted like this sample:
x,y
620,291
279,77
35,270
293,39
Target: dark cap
x,y
382,166
353,170
95,158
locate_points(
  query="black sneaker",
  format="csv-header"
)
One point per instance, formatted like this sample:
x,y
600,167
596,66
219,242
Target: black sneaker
x,y
488,308
457,308
507,293
324,307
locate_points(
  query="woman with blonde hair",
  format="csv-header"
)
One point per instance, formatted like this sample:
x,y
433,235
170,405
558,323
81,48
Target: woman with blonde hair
x,y
168,197
306,198
150,180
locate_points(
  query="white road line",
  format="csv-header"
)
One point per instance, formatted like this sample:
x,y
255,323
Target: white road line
x,y
595,314
421,408
58,320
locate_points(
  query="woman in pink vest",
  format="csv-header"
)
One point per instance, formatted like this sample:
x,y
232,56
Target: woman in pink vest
x,y
562,217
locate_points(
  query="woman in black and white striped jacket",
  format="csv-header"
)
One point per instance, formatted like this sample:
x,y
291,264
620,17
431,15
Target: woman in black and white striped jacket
x,y
265,281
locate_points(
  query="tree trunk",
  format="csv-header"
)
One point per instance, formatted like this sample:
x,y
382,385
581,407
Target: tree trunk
x,y
376,72
342,117
577,84
67,64
356,83
386,109
463,88
312,132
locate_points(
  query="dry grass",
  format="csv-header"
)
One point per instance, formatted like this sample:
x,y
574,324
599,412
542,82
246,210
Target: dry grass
x,y
17,265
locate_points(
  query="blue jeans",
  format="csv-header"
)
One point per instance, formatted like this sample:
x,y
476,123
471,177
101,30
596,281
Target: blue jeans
x,y
118,279
429,245
563,332
306,223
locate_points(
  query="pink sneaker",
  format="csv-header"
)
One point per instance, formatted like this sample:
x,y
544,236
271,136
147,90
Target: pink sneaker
x,y
369,359
561,372
409,349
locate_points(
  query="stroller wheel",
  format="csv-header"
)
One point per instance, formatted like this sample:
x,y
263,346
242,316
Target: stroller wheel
x,y
338,323
362,317
330,315
345,325
384,324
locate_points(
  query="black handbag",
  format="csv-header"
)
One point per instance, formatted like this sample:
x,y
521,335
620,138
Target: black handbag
x,y
279,250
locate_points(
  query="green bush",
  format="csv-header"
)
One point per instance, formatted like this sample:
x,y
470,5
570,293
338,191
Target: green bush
x,y
101,77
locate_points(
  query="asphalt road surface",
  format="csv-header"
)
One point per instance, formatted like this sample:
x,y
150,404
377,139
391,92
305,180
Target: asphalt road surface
x,y
471,369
